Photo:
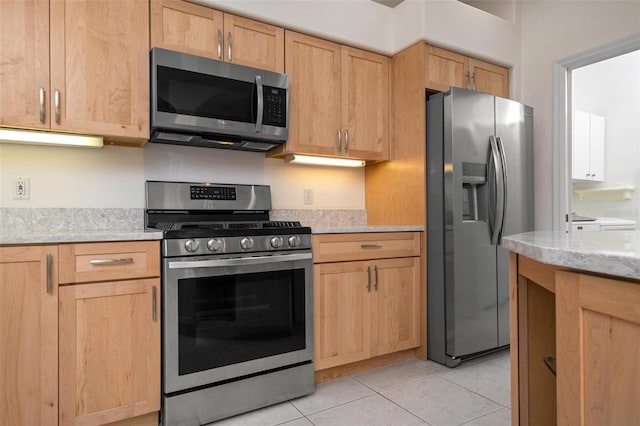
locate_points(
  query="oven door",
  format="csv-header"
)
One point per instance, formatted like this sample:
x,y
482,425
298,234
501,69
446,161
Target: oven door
x,y
226,318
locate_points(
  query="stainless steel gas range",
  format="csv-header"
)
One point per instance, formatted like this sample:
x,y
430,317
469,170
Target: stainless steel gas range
x,y
237,301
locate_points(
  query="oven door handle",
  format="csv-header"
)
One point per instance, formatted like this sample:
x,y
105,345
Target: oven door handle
x,y
238,261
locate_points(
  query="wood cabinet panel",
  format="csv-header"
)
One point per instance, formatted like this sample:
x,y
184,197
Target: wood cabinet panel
x,y
396,305
253,43
24,63
111,261
109,351
344,247
365,104
313,66
445,69
598,325
489,78
100,66
342,308
186,27
365,309
28,336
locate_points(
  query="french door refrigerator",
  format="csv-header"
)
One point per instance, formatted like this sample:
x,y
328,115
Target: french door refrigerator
x,y
479,189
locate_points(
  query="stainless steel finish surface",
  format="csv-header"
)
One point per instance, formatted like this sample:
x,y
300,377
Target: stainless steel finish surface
x,y
339,141
229,45
480,188
42,103
215,244
49,283
177,196
238,261
213,403
172,273
230,245
56,102
369,279
260,111
107,262
211,128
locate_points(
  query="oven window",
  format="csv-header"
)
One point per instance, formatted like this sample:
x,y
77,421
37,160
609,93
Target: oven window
x,y
229,319
195,94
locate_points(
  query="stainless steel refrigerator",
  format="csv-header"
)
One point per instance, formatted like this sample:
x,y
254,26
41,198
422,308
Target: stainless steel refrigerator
x,y
479,189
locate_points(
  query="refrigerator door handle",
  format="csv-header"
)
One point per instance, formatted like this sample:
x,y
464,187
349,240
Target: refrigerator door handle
x,y
496,204
505,186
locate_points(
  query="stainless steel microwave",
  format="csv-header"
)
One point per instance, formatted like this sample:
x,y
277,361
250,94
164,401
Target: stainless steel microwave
x,y
205,102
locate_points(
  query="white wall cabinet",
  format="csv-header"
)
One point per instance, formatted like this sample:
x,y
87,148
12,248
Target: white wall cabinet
x,y
588,147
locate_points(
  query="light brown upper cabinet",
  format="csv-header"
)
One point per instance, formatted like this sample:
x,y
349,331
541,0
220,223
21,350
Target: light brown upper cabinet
x,y
76,66
446,69
199,30
339,100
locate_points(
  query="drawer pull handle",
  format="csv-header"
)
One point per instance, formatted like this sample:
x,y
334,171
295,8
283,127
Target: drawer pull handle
x,y
371,246
103,262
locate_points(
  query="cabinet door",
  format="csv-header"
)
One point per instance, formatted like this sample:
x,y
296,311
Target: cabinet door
x,y
24,63
596,147
253,43
598,338
313,66
28,336
580,147
489,78
109,351
100,66
187,27
342,314
396,305
445,69
365,104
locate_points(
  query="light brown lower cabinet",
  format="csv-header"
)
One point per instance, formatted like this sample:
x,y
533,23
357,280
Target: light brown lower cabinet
x,y
590,325
28,335
80,347
365,308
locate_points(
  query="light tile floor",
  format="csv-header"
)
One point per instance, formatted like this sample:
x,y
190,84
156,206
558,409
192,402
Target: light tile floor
x,y
413,392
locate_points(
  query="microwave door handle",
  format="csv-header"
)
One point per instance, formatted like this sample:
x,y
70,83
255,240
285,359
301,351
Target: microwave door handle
x,y
260,111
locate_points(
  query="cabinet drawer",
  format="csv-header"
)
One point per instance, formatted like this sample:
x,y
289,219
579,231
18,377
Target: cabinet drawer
x,y
363,246
108,261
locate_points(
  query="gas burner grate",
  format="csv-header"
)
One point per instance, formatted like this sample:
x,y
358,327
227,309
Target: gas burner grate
x,y
281,224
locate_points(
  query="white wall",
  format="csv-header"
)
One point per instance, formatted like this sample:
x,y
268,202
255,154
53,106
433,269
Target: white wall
x,y
611,89
552,31
114,176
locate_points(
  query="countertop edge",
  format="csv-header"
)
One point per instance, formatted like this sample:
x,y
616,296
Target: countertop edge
x,y
603,261
80,237
358,229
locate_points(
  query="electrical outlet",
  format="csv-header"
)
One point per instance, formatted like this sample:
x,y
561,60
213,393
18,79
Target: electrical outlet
x,y
308,196
21,188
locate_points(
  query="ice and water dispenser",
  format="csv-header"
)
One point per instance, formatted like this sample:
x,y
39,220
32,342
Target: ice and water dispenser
x,y
474,191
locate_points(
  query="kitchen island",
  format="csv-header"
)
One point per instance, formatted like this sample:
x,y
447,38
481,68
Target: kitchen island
x,y
575,312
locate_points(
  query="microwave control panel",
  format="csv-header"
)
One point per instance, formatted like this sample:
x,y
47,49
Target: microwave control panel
x,y
275,107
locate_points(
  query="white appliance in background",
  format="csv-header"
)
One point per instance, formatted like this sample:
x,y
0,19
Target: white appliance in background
x,y
604,224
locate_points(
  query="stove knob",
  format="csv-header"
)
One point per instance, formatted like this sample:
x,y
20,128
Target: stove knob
x,y
246,243
277,242
214,244
294,241
191,245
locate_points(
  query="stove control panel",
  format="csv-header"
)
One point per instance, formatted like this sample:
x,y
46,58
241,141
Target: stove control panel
x,y
212,193
229,245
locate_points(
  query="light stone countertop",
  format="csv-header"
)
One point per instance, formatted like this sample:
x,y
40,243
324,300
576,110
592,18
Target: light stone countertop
x,y
77,236
607,252
355,229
